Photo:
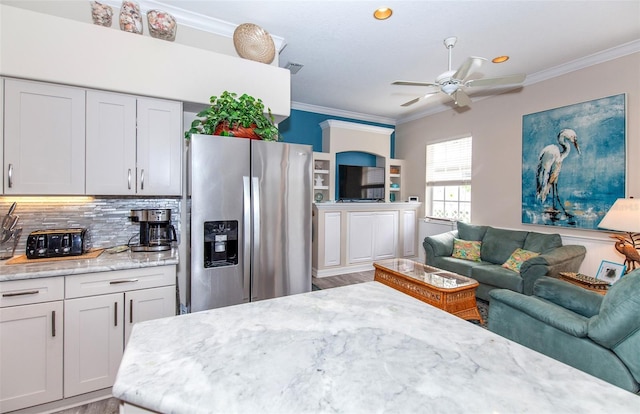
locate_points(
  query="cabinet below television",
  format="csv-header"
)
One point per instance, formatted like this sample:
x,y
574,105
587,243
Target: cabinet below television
x,y
349,237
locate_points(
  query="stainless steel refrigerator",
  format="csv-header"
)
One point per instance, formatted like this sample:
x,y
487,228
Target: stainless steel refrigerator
x,y
250,220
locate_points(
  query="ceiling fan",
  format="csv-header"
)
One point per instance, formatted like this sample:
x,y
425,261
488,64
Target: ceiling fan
x,y
453,82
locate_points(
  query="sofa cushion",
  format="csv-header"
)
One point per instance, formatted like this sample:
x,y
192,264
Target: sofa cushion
x,y
467,250
618,317
459,266
541,243
471,231
496,275
518,257
498,244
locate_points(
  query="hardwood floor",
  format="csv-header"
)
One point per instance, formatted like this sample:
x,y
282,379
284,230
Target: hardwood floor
x,y
108,406
343,280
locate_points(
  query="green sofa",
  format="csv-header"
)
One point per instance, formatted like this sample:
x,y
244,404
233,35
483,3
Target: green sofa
x,y
497,246
596,334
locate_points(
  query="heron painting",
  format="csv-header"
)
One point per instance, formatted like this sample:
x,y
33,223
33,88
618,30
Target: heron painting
x,y
574,163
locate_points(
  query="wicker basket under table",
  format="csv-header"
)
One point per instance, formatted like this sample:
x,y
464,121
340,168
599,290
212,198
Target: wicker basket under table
x,y
445,290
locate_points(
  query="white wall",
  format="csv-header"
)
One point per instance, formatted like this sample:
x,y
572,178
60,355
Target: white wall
x,y
496,126
53,49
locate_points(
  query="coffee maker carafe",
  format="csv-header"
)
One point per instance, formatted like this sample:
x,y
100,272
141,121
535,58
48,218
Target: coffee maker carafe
x,y
156,231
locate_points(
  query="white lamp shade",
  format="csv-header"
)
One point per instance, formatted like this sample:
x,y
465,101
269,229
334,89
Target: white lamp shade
x,y
624,215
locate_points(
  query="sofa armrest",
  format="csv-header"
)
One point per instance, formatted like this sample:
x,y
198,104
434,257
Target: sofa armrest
x,y
439,245
572,297
562,259
546,312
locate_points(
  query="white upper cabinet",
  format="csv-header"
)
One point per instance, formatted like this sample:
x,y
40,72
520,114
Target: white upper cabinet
x,y
111,143
134,145
44,139
159,147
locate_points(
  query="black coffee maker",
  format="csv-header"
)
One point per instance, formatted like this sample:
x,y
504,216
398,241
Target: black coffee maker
x,y
156,231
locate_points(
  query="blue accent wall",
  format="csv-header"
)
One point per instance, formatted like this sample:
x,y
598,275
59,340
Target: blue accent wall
x,y
303,127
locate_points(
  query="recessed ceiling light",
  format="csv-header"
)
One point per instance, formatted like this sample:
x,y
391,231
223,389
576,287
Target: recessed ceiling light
x,y
383,13
500,59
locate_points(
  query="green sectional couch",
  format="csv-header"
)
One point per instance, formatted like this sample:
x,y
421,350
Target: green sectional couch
x,y
496,247
596,334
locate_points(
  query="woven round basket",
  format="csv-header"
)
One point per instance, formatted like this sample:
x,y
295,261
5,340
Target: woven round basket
x,y
253,42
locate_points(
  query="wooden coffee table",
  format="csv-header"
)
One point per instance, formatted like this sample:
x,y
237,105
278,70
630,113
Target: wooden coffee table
x,y
448,291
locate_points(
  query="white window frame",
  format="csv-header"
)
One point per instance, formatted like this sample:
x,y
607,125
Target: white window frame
x,y
448,167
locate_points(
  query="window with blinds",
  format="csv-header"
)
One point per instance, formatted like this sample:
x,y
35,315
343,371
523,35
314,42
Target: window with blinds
x,y
448,179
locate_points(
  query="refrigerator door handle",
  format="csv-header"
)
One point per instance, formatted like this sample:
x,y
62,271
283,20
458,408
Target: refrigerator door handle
x,y
246,248
255,224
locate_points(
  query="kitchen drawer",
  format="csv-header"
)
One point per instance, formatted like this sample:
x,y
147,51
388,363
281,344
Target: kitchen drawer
x,y
27,291
102,283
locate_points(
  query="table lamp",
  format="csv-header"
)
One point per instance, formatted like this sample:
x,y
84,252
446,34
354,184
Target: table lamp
x,y
624,216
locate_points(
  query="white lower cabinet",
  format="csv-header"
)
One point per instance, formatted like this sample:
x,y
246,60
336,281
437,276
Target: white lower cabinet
x,y
94,338
65,336
31,342
409,225
97,326
372,236
332,239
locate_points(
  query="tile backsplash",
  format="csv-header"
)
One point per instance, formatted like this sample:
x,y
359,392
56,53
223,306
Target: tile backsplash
x,y
107,219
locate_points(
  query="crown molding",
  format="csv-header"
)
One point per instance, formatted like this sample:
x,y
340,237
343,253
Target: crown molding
x,y
581,63
342,113
194,20
334,123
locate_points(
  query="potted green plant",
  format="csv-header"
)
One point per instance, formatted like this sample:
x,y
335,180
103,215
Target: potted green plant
x,y
230,115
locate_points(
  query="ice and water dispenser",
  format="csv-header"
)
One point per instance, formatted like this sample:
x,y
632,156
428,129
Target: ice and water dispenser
x,y
220,243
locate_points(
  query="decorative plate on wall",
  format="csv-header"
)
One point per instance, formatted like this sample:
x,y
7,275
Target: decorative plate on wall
x,y
253,42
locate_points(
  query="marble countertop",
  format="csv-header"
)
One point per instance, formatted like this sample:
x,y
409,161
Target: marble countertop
x,y
356,349
103,263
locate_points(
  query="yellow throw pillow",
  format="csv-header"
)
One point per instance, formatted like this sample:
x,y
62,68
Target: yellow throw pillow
x,y
467,250
518,257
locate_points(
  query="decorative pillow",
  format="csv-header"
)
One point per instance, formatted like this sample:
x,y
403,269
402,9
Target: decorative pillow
x,y
467,250
518,257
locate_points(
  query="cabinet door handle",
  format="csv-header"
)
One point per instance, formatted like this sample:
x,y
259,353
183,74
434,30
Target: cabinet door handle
x,y
131,311
117,282
10,176
27,292
115,313
142,179
53,323
129,179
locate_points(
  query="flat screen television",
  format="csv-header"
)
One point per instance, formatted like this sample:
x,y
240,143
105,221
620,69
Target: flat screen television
x,y
358,183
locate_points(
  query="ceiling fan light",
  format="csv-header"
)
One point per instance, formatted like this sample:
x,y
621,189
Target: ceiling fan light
x,y
500,59
382,13
449,88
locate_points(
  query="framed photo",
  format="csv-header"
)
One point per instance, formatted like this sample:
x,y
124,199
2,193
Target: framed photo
x,y
574,163
610,272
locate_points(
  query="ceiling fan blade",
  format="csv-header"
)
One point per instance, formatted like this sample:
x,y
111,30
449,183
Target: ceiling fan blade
x,y
412,83
416,100
468,66
411,102
461,98
503,80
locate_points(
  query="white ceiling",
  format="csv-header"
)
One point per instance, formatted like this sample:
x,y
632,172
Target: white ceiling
x,y
350,59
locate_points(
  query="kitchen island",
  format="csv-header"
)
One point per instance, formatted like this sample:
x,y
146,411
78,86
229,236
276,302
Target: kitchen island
x,y
355,349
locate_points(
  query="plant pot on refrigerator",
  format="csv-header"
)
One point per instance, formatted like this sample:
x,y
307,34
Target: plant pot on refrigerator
x,y
237,131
